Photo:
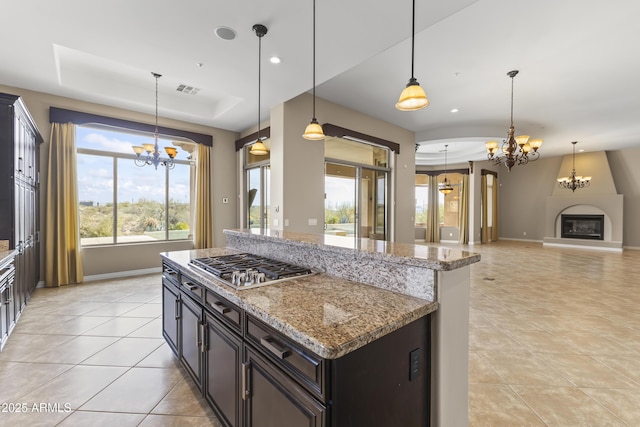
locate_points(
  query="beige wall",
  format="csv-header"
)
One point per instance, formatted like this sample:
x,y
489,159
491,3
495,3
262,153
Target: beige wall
x,y
103,260
523,192
297,165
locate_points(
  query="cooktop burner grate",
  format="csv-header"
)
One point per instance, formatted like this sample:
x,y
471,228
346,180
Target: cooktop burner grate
x,y
225,265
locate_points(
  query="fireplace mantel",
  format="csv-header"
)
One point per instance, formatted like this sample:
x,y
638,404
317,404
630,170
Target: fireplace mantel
x,y
610,205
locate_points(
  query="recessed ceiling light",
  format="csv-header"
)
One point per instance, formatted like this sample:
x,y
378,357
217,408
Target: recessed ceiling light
x,y
225,33
454,110
275,60
581,150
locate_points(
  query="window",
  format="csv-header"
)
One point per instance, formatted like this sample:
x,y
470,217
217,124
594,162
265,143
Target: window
x,y
120,202
449,203
258,173
422,199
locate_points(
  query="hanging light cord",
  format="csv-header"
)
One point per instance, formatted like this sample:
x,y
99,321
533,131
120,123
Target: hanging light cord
x,y
259,79
155,135
512,100
413,35
314,61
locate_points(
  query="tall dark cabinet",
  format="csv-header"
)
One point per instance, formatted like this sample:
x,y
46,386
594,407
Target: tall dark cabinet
x,y
19,195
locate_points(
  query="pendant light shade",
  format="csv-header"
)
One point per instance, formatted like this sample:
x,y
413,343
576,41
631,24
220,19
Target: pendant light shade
x,y
445,186
413,97
313,131
258,148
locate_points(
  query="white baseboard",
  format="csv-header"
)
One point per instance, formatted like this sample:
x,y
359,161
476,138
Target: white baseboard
x,y
119,274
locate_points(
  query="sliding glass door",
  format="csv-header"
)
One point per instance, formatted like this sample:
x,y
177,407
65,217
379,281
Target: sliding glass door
x,y
355,200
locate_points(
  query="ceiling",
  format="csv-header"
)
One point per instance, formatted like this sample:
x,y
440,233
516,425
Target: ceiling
x,y
577,59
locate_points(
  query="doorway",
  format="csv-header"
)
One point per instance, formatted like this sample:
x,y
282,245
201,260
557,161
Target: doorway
x,y
355,200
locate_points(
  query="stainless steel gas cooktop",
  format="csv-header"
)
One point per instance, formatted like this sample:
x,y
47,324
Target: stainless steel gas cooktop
x,y
245,271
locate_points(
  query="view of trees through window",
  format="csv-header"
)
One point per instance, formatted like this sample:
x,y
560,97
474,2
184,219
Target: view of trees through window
x,y
120,202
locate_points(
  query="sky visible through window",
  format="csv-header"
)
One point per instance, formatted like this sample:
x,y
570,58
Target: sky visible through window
x,y
95,173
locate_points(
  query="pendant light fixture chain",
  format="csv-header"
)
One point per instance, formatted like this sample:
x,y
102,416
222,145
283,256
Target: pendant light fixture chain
x,y
258,148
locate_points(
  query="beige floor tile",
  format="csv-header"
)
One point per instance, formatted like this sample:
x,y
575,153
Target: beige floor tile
x,y
625,404
35,416
124,352
102,419
627,366
151,310
114,309
524,368
163,357
75,386
18,379
567,406
118,327
184,399
494,405
75,350
585,371
76,325
490,339
139,390
27,347
152,329
481,371
178,421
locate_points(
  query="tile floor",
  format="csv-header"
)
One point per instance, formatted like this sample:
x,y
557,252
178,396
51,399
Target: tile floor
x,y
554,340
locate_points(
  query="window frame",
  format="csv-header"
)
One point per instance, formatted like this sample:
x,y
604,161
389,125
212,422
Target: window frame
x,y
115,156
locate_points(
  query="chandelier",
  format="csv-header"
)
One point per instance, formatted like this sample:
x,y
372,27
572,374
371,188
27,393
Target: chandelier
x,y
258,148
153,153
445,186
574,182
519,149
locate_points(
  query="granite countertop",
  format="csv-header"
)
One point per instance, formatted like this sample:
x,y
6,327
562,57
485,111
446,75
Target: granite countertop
x,y
327,315
432,257
5,255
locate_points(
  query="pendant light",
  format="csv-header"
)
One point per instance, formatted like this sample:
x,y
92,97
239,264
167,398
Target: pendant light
x,y
413,96
574,182
314,130
445,186
258,148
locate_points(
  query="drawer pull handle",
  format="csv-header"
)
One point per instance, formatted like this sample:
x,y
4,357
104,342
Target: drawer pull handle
x,y
275,347
219,307
191,287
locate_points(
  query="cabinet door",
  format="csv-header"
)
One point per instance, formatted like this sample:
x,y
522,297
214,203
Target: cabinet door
x,y
190,338
170,315
222,371
274,399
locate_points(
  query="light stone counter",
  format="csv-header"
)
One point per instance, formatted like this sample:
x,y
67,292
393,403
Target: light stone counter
x,y
6,255
328,315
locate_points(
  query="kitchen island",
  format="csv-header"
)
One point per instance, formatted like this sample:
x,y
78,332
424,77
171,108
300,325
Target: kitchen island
x,y
350,345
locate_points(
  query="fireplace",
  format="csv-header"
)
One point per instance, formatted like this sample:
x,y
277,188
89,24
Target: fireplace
x,y
583,227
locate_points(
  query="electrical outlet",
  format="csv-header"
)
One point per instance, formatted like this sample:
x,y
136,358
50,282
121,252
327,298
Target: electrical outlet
x,y
414,364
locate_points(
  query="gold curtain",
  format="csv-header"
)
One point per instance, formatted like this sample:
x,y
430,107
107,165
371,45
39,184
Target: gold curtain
x,y
204,214
494,210
485,211
433,213
63,257
463,218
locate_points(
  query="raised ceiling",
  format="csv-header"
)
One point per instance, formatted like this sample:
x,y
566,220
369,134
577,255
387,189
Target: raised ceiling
x,y
578,70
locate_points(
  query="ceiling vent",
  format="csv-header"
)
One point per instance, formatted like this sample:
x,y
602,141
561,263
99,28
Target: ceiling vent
x,y
187,89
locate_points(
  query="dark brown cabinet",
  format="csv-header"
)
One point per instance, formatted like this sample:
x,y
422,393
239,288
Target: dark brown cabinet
x,y
19,198
7,305
222,369
191,338
254,376
273,399
170,312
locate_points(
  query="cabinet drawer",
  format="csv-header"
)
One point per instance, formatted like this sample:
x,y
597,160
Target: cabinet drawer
x,y
225,309
306,367
170,273
192,288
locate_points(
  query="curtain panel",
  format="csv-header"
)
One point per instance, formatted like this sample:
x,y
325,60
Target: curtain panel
x,y
63,256
204,214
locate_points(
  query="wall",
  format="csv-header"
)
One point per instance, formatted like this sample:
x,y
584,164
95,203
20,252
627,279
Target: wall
x,y
105,260
297,173
524,191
